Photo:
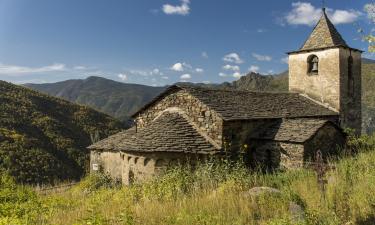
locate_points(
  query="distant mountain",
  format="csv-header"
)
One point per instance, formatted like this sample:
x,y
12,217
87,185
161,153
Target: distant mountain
x,y
43,139
258,82
253,82
114,98
368,61
121,100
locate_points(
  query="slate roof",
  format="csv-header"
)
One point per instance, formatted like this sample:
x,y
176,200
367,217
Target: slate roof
x,y
323,36
292,130
245,105
170,132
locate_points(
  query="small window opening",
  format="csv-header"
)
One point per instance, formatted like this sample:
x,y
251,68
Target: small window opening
x,y
313,64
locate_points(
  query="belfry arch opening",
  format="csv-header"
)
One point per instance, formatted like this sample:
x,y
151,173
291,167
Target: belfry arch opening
x,y
313,65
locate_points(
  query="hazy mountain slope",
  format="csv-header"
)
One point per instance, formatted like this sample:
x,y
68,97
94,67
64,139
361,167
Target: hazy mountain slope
x,y
121,100
44,139
114,98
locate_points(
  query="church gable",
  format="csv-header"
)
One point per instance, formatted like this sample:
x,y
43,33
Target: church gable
x,y
207,121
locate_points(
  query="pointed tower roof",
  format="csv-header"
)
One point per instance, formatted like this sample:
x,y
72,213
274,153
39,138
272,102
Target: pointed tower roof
x,y
324,35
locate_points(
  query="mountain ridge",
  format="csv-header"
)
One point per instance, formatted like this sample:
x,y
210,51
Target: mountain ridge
x,y
250,82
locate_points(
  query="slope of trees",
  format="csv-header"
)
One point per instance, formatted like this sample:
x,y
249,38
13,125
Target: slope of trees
x,y
43,139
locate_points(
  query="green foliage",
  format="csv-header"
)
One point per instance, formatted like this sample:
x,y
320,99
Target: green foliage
x,y
96,181
44,139
214,192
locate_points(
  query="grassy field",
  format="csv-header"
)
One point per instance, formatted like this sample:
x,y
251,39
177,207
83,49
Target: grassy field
x,y
211,194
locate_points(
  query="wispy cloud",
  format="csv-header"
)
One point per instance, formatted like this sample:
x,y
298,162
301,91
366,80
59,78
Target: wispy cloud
x,y
179,67
233,58
204,55
230,67
123,77
262,57
285,60
304,13
254,68
185,76
20,70
183,9
199,70
237,75
222,75
261,30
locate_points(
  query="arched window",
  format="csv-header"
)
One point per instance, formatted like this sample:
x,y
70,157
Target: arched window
x,y
350,77
313,64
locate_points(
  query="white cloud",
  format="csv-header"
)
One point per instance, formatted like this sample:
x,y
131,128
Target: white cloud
x,y
254,69
165,77
230,67
343,16
223,75
199,70
183,9
123,77
285,60
204,55
304,13
140,72
177,67
206,82
80,68
260,30
17,70
185,76
262,57
233,58
270,72
236,75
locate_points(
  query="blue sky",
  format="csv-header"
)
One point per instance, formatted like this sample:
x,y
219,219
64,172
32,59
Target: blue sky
x,y
159,42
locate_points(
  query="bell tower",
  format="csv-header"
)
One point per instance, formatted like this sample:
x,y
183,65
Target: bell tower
x,y
328,71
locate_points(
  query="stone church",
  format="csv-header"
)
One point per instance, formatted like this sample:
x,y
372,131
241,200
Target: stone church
x,y
185,124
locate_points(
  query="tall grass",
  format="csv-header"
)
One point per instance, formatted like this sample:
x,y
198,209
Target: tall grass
x,y
212,193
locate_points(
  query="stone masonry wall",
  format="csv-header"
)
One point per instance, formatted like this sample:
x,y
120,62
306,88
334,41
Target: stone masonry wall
x,y
330,85
351,104
207,120
324,87
328,140
236,133
138,167
107,162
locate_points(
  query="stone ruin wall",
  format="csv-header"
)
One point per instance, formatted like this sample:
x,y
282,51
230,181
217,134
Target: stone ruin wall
x,y
207,120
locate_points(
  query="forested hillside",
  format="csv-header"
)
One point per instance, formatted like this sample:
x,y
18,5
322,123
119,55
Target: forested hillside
x,y
43,139
117,99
